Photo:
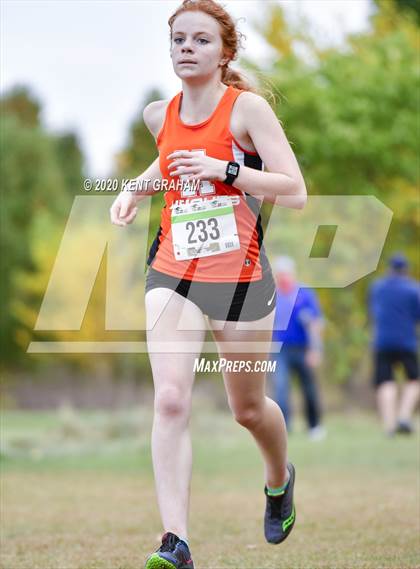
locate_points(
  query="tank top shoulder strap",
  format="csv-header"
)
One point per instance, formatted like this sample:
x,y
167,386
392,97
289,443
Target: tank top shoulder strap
x,y
230,96
220,121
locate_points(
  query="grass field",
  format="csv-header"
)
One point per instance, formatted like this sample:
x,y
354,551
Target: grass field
x,y
77,493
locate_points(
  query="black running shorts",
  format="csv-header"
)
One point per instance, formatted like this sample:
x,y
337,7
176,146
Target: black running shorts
x,y
241,301
385,361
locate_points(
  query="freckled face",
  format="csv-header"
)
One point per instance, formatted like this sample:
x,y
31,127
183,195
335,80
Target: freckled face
x,y
196,45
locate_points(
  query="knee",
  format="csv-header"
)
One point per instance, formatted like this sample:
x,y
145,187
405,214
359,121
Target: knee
x,y
172,402
249,416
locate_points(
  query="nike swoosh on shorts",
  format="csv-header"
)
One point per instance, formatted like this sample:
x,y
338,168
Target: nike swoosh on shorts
x,y
271,299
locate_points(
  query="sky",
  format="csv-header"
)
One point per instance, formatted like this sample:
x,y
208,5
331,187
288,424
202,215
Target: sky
x,y
90,63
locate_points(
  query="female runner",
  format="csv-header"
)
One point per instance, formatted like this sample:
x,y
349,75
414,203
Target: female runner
x,y
214,138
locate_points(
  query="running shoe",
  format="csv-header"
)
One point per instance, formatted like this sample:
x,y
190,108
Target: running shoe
x,y
280,513
172,554
317,433
404,428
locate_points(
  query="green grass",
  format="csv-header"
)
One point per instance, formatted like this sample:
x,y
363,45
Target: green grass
x,y
77,493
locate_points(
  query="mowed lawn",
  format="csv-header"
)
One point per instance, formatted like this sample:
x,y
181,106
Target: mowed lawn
x,y
77,493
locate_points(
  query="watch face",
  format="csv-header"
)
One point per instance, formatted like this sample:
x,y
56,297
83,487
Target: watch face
x,y
233,169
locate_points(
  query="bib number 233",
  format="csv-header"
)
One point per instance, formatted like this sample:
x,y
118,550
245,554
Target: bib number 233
x,y
201,229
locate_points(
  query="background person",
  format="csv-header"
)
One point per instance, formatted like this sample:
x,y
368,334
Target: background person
x,y
394,308
301,351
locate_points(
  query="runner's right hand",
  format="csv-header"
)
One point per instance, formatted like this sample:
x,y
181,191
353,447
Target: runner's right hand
x,y
124,209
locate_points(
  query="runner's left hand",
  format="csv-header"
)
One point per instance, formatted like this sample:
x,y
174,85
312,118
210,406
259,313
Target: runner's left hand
x,y
196,166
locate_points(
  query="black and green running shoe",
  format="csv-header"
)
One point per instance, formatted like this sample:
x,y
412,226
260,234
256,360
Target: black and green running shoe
x,y
172,554
280,512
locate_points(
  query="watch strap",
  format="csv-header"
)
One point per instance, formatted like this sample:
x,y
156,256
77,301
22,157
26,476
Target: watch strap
x,y
231,177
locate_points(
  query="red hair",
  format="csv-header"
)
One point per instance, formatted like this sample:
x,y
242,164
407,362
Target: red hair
x,y
231,37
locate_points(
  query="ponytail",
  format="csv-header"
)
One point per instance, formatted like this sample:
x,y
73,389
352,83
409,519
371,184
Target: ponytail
x,y
232,77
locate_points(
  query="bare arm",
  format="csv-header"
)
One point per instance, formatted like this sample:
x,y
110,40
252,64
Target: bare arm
x,y
124,209
315,333
283,182
144,184
153,116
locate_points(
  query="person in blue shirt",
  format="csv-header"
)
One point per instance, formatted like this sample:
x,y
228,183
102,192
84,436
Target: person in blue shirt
x,y
394,309
298,326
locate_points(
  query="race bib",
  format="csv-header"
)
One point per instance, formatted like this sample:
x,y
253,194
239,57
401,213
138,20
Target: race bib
x,y
203,228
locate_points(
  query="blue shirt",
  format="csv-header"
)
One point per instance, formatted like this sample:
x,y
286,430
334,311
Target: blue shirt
x,y
300,305
394,306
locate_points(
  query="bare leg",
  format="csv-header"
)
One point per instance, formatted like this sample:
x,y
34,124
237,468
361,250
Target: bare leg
x,y
173,379
387,405
409,399
247,399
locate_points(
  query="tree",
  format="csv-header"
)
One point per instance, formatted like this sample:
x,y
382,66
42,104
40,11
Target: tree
x,y
22,104
38,172
410,8
351,114
70,161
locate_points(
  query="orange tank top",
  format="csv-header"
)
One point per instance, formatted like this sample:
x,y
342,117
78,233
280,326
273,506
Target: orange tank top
x,y
246,261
